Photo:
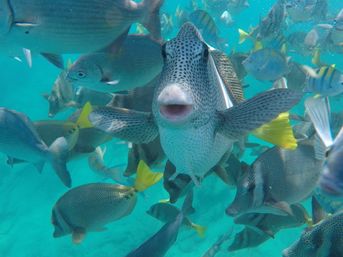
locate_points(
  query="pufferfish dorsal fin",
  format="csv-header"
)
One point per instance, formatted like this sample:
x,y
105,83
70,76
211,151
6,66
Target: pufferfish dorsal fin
x,y
228,75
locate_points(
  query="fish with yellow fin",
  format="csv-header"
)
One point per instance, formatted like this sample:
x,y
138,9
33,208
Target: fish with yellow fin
x,y
90,207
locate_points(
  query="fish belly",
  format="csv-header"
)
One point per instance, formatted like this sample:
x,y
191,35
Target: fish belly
x,y
194,151
68,26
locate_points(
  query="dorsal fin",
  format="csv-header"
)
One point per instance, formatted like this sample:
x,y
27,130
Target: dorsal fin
x,y
228,75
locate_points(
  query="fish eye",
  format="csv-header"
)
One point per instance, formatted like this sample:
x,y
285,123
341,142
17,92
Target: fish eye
x,y
205,53
81,74
164,53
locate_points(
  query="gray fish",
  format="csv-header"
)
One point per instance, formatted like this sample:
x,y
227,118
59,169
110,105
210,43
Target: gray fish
x,y
276,179
19,139
324,239
90,207
134,64
336,34
261,227
194,113
159,243
63,96
296,76
266,64
306,10
296,42
78,26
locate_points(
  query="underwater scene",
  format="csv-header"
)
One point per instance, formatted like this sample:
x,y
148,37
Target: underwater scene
x,y
171,128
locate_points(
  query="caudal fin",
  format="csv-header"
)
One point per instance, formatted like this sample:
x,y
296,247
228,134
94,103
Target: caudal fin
x,y
145,177
152,17
199,229
278,132
59,152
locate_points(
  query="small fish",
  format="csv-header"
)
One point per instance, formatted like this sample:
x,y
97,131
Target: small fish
x,y
331,180
323,239
306,10
19,139
162,240
317,37
326,81
74,26
266,64
90,207
114,71
216,247
261,227
226,18
273,181
336,34
167,213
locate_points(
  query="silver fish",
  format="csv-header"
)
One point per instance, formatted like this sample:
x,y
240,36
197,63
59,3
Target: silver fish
x,y
193,113
19,139
323,239
275,180
78,26
137,62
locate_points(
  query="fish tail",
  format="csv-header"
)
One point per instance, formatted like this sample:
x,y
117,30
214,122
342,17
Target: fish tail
x,y
187,207
201,230
145,177
152,18
58,153
243,35
278,132
83,121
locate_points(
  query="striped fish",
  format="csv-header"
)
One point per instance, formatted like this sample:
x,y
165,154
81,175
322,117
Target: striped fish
x,y
73,26
326,81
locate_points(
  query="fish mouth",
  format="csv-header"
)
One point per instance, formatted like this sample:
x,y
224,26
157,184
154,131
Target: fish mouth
x,y
174,103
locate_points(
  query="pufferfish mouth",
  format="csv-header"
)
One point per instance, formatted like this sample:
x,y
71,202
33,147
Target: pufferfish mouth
x,y
174,103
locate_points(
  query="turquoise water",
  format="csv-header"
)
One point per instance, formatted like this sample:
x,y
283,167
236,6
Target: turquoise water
x,y
27,197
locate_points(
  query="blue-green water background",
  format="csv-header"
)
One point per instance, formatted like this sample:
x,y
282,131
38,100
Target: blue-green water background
x,y
26,197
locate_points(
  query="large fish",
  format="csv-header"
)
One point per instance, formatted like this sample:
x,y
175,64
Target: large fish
x,y
19,139
76,26
324,239
90,207
276,179
196,116
134,64
160,243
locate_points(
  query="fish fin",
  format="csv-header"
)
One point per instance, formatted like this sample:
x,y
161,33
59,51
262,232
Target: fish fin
x,y
257,45
145,177
199,229
251,114
164,201
69,64
280,83
281,208
78,235
39,166
55,59
116,45
83,121
28,56
243,35
310,71
46,96
318,110
187,204
278,132
262,231
59,152
319,149
151,19
136,127
283,49
318,212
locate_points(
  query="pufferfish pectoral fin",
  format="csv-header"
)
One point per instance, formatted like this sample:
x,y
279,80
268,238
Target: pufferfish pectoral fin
x,y
136,127
240,119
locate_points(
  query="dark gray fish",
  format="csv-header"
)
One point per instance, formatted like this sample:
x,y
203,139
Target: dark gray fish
x,y
275,180
133,64
159,243
19,139
324,239
193,113
261,227
78,26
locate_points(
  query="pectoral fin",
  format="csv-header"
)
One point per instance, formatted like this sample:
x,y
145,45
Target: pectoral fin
x,y
240,119
136,127
55,59
78,235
